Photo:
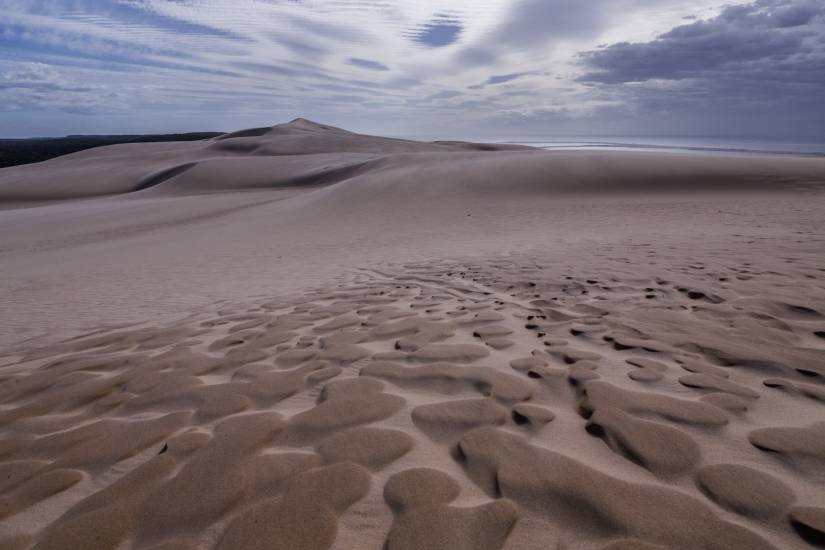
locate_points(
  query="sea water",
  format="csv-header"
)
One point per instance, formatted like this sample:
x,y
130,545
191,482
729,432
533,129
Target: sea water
x,y
668,143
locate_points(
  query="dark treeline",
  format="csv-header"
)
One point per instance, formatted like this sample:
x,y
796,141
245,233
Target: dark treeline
x,y
27,151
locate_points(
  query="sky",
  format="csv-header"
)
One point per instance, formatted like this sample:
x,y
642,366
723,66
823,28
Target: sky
x,y
439,68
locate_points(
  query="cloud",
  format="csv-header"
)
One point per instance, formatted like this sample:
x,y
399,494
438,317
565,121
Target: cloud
x,y
368,64
37,85
754,68
533,24
302,47
445,94
498,79
321,29
536,22
398,66
765,39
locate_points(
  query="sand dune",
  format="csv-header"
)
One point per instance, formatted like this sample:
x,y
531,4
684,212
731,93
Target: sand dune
x,y
298,153
303,153
299,337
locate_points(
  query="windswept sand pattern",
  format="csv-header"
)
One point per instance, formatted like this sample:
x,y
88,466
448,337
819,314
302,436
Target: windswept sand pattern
x,y
513,402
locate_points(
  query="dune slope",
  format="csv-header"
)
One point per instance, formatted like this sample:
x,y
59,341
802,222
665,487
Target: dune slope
x,y
299,337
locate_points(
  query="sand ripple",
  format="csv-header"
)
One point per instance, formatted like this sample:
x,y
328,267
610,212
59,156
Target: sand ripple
x,y
387,408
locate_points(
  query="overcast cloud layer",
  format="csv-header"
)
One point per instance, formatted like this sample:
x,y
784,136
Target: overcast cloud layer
x,y
498,68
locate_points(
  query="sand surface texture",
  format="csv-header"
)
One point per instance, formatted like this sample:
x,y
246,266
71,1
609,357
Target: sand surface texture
x,y
303,338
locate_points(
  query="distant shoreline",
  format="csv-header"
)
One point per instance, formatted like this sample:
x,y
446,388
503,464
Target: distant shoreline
x,y
617,142
592,146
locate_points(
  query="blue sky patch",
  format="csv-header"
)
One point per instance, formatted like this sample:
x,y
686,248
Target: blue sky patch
x,y
439,33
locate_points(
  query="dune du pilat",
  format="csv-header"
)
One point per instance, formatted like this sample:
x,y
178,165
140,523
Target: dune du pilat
x,y
300,337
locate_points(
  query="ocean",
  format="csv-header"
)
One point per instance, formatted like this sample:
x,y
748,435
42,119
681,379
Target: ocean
x,y
685,144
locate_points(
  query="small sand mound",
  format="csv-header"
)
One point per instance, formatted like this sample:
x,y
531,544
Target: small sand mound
x,y
464,353
340,411
444,421
451,379
424,520
557,486
373,448
792,442
809,522
601,394
726,401
659,448
307,511
716,383
744,490
533,416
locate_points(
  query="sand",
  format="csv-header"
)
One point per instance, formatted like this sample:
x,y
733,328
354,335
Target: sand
x,y
299,337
